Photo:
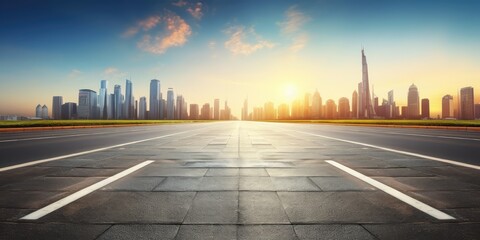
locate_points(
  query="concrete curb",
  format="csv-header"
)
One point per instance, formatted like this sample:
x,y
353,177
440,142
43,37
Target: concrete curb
x,y
475,129
26,129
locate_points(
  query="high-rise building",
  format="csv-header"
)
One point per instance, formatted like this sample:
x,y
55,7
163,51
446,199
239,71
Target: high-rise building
x,y
316,105
245,110
413,111
216,109
69,111
283,111
57,107
425,108
103,99
170,104
226,112
390,111
447,106
269,111
87,104
194,111
118,102
343,108
331,109
354,104
477,111
306,106
205,112
44,112
38,111
467,108
142,108
180,107
129,101
155,97
366,108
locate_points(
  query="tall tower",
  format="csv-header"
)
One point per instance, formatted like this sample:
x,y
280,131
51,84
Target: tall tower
x,y
366,108
216,109
57,107
170,104
413,110
128,108
155,97
354,104
467,108
102,99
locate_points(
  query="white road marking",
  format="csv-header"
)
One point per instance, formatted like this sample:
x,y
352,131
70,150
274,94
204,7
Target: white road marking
x,y
77,195
399,151
85,152
434,136
395,193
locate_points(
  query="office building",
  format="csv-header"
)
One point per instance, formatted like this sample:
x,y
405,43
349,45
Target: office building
x,y
194,111
283,111
413,106
245,110
87,104
366,109
467,108
216,109
142,108
354,104
155,112
343,108
316,105
447,106
118,102
170,104
205,112
331,109
44,112
425,108
69,111
477,111
38,111
57,107
128,107
269,111
103,100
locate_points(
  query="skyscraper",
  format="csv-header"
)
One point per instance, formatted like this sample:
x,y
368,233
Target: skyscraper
x,y
38,111
413,110
216,109
205,112
447,106
390,112
306,106
155,97
142,108
103,99
331,109
129,101
354,104
69,111
44,112
57,107
425,108
226,112
343,108
467,108
269,111
366,108
87,104
179,107
194,111
283,111
117,91
477,111
245,110
316,105
170,104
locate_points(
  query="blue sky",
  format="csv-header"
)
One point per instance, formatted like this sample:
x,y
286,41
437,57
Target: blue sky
x,y
233,49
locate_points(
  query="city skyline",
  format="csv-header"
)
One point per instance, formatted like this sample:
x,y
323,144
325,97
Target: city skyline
x,y
224,51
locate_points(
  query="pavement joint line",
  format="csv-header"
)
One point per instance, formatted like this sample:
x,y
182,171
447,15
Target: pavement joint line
x,y
399,151
86,152
81,193
61,136
433,136
395,193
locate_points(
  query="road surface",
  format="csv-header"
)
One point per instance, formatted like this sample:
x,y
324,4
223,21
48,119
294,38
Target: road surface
x,y
240,180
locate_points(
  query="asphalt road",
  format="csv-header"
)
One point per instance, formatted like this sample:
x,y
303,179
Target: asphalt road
x,y
240,180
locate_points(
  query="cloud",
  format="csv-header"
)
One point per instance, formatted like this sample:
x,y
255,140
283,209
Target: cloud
x,y
110,70
294,21
196,11
175,33
74,73
238,45
299,43
180,3
292,28
146,25
212,44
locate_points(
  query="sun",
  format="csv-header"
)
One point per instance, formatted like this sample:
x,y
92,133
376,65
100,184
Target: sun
x,y
290,92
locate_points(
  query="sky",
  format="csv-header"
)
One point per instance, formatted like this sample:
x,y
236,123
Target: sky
x,y
269,50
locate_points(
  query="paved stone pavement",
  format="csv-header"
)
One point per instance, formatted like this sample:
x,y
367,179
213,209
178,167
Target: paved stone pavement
x,y
241,181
